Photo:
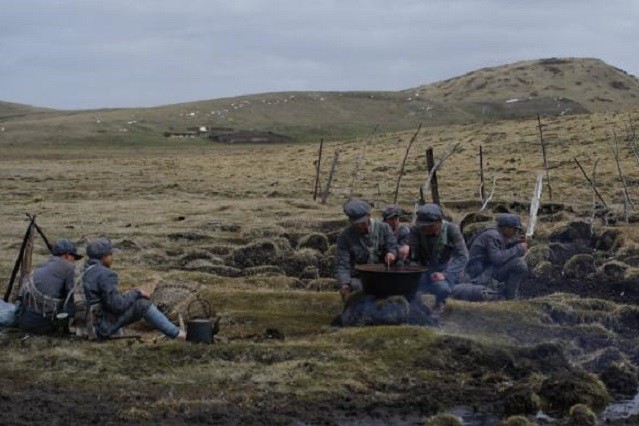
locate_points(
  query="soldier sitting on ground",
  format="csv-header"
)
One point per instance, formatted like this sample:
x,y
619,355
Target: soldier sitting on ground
x,y
111,310
364,241
49,290
401,231
438,245
497,254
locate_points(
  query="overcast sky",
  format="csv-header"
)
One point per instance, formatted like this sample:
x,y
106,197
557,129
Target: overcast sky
x,y
110,53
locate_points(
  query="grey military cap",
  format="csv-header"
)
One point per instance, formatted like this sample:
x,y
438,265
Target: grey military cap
x,y
100,247
428,214
64,246
507,220
357,210
391,211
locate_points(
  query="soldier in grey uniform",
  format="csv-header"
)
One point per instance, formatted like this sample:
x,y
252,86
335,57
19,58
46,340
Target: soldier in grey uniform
x,y
49,290
438,245
364,241
401,231
498,254
111,310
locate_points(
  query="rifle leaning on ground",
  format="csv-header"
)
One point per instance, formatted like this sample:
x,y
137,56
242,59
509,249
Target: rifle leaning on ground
x,y
16,266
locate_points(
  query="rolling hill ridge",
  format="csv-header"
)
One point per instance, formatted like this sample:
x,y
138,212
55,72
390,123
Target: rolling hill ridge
x,y
522,89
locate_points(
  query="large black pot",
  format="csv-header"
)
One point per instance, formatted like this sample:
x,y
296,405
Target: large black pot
x,y
381,281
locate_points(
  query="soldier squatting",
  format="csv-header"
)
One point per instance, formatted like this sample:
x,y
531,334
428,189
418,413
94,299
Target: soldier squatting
x,y
492,268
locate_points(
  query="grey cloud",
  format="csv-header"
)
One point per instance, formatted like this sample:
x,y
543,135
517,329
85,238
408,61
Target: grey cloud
x,y
78,54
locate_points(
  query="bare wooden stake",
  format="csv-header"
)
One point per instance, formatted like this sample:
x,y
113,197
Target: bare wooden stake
x,y
360,159
434,186
317,170
432,176
591,181
534,206
490,197
401,170
482,194
327,190
632,139
627,202
594,197
543,152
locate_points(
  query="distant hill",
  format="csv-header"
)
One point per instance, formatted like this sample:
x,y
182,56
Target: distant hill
x,y
548,87
588,84
10,110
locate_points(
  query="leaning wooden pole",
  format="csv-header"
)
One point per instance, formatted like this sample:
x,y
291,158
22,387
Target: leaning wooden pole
x,y
360,159
543,152
534,207
627,202
42,234
401,170
327,190
592,184
482,187
317,170
16,266
434,186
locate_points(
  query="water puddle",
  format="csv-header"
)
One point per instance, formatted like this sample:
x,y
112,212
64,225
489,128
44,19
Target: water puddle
x,y
621,410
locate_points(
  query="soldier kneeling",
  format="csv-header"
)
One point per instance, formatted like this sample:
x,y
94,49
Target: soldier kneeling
x,y
497,254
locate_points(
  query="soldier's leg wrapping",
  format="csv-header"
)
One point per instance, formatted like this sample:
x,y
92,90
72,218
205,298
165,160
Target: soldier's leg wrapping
x,y
356,284
512,273
143,308
161,322
440,289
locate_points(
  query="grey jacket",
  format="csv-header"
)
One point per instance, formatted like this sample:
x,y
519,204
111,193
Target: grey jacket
x,y
55,278
357,249
445,253
402,234
490,248
101,286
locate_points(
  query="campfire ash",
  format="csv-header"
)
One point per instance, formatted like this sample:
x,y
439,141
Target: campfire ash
x,y
364,309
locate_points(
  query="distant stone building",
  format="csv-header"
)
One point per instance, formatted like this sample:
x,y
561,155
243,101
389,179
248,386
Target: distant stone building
x,y
181,135
250,137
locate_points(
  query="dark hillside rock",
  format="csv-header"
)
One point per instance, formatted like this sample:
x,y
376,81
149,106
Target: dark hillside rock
x,y
576,232
560,253
474,229
579,266
608,240
614,270
474,218
561,391
315,241
621,379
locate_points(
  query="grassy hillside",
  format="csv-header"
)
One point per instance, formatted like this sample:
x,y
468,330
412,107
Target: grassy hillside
x,y
524,89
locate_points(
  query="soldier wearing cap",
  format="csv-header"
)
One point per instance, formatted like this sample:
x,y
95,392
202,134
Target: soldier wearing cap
x,y
438,245
49,290
111,310
497,254
401,231
365,240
